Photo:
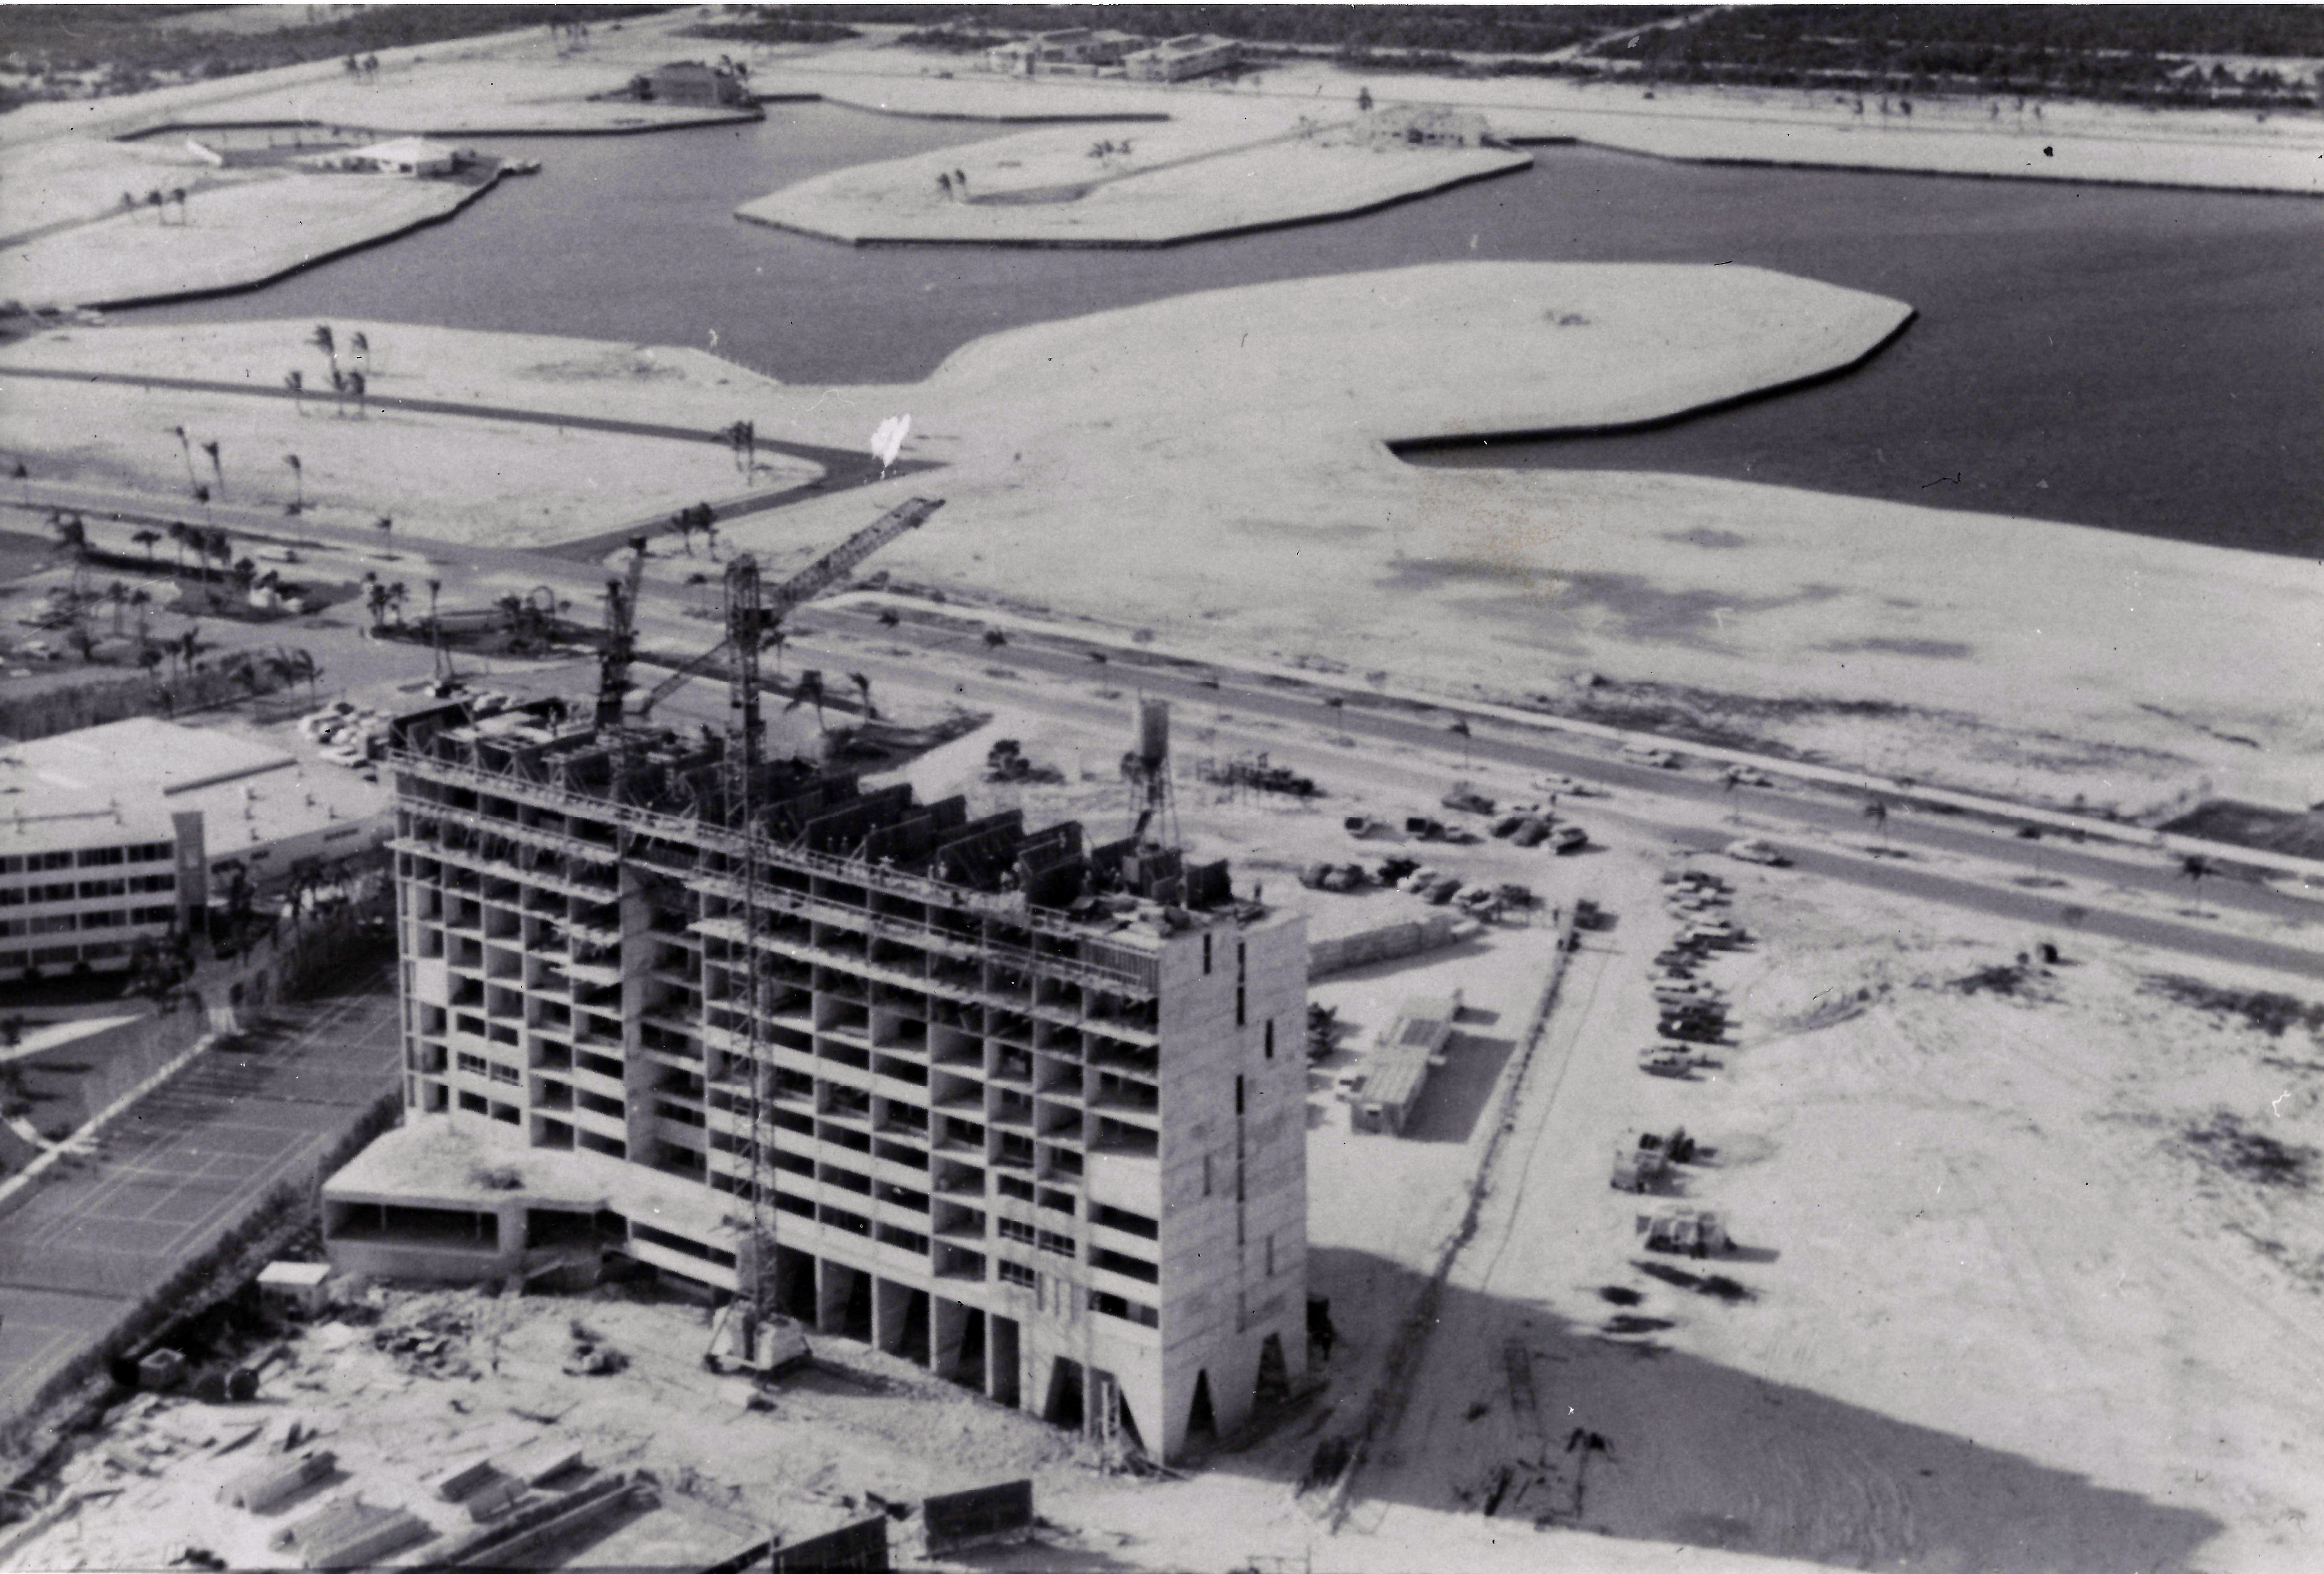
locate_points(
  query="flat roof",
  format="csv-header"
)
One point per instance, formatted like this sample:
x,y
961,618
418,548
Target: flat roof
x,y
434,1161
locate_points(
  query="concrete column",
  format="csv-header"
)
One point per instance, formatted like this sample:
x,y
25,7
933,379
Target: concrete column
x,y
1003,1362
890,1310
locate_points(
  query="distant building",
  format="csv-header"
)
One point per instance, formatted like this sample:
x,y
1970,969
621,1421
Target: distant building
x,y
691,82
118,833
1193,54
411,155
1384,1088
1423,125
1025,1111
1065,49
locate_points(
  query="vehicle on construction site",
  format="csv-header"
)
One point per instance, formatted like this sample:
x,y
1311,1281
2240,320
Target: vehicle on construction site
x,y
1393,871
1756,850
1639,1164
763,1347
1441,890
1692,1028
1568,838
1479,901
1467,799
1668,1059
1647,754
1424,828
1359,826
1422,877
1514,895
1532,831
1676,1228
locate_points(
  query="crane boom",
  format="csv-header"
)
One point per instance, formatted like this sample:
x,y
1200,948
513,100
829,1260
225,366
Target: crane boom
x,y
801,587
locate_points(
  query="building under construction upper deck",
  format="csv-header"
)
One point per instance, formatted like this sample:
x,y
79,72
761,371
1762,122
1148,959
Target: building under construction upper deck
x,y
993,1096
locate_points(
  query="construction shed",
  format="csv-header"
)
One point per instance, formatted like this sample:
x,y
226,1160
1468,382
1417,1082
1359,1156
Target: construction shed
x,y
1385,1088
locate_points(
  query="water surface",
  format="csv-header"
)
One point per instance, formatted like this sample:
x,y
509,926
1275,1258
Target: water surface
x,y
2143,360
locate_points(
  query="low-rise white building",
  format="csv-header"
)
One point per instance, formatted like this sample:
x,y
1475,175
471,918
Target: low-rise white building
x,y
117,833
409,155
1174,59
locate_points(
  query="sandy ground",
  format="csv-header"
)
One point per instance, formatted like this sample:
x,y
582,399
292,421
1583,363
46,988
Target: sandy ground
x,y
1243,430
2019,1297
226,238
2086,142
72,180
523,80
1239,165
447,478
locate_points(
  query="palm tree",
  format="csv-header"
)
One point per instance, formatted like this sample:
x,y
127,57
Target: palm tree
x,y
299,474
321,339
375,602
306,669
1877,812
217,469
775,640
994,639
24,478
338,391
2197,868
385,526
220,546
153,200
359,346
118,594
179,533
1462,727
296,382
202,496
178,196
808,691
82,641
356,384
396,596
186,449
129,207
141,598
246,575
149,539
864,690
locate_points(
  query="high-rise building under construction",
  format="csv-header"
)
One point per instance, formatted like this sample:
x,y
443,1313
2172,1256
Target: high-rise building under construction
x,y
1028,1111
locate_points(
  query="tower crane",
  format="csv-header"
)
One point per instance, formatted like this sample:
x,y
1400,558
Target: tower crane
x,y
752,614
621,638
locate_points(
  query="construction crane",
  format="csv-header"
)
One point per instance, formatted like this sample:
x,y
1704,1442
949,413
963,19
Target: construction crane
x,y
621,639
752,625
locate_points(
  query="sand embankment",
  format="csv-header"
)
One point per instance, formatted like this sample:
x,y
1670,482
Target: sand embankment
x,y
2210,149
1210,174
230,237
1212,467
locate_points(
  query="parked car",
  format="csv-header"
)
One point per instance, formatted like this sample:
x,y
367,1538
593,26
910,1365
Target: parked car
x,y
1755,850
1745,776
1467,799
1647,754
1567,787
1568,838
1440,890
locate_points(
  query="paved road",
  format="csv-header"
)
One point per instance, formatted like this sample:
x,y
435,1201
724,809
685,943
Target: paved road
x,y
174,1174
842,468
1259,698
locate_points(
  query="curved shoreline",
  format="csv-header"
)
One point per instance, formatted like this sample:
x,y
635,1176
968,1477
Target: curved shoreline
x,y
209,292
1443,442
1032,243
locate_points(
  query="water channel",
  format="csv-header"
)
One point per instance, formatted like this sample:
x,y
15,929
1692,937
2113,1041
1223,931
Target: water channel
x,y
2140,359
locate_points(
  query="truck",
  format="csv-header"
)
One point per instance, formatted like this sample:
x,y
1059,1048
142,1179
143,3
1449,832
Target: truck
x,y
1676,1228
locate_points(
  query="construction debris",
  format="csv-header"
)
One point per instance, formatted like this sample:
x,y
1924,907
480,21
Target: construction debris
x,y
275,1483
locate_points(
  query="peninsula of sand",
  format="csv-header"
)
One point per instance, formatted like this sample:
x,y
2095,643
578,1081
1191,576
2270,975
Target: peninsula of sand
x,y
1213,469
67,238
1221,167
